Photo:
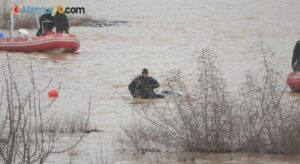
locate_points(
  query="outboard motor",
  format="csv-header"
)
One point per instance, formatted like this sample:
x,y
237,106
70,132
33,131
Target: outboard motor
x,y
23,33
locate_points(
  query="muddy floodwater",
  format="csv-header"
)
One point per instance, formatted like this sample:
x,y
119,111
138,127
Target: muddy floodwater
x,y
161,36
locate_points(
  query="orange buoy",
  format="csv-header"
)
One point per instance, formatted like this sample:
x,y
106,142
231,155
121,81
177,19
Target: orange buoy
x,y
294,81
53,93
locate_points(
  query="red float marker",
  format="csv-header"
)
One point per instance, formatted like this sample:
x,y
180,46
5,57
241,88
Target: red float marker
x,y
53,93
293,81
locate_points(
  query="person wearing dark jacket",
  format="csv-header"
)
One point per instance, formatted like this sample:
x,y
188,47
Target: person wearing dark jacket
x,y
143,86
296,57
61,23
46,24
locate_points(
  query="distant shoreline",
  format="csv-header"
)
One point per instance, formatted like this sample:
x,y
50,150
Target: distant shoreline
x,y
30,22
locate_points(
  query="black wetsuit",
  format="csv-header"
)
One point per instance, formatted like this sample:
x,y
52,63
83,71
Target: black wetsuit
x,y
144,87
61,23
296,57
46,23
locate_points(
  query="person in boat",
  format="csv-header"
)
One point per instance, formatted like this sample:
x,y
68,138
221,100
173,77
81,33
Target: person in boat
x,y
296,57
143,86
61,23
46,23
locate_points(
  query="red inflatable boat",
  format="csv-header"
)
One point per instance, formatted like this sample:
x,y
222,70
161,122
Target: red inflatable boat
x,y
294,81
52,42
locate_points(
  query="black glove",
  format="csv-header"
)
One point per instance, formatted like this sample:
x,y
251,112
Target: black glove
x,y
133,93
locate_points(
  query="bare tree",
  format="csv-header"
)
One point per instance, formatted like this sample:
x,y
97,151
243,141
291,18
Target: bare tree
x,y
5,13
266,111
201,120
209,118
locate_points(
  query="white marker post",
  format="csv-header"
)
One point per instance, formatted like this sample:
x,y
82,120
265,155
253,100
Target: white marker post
x,y
11,25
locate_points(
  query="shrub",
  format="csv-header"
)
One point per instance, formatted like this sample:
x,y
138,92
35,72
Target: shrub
x,y
23,137
209,118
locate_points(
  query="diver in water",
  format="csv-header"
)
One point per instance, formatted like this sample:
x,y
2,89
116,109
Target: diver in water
x,y
296,57
143,86
46,23
61,23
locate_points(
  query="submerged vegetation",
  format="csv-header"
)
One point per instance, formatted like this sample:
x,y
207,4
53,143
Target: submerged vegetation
x,y
209,118
29,132
30,21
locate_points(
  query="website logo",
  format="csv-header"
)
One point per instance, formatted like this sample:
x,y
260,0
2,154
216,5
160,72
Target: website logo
x,y
16,9
69,10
